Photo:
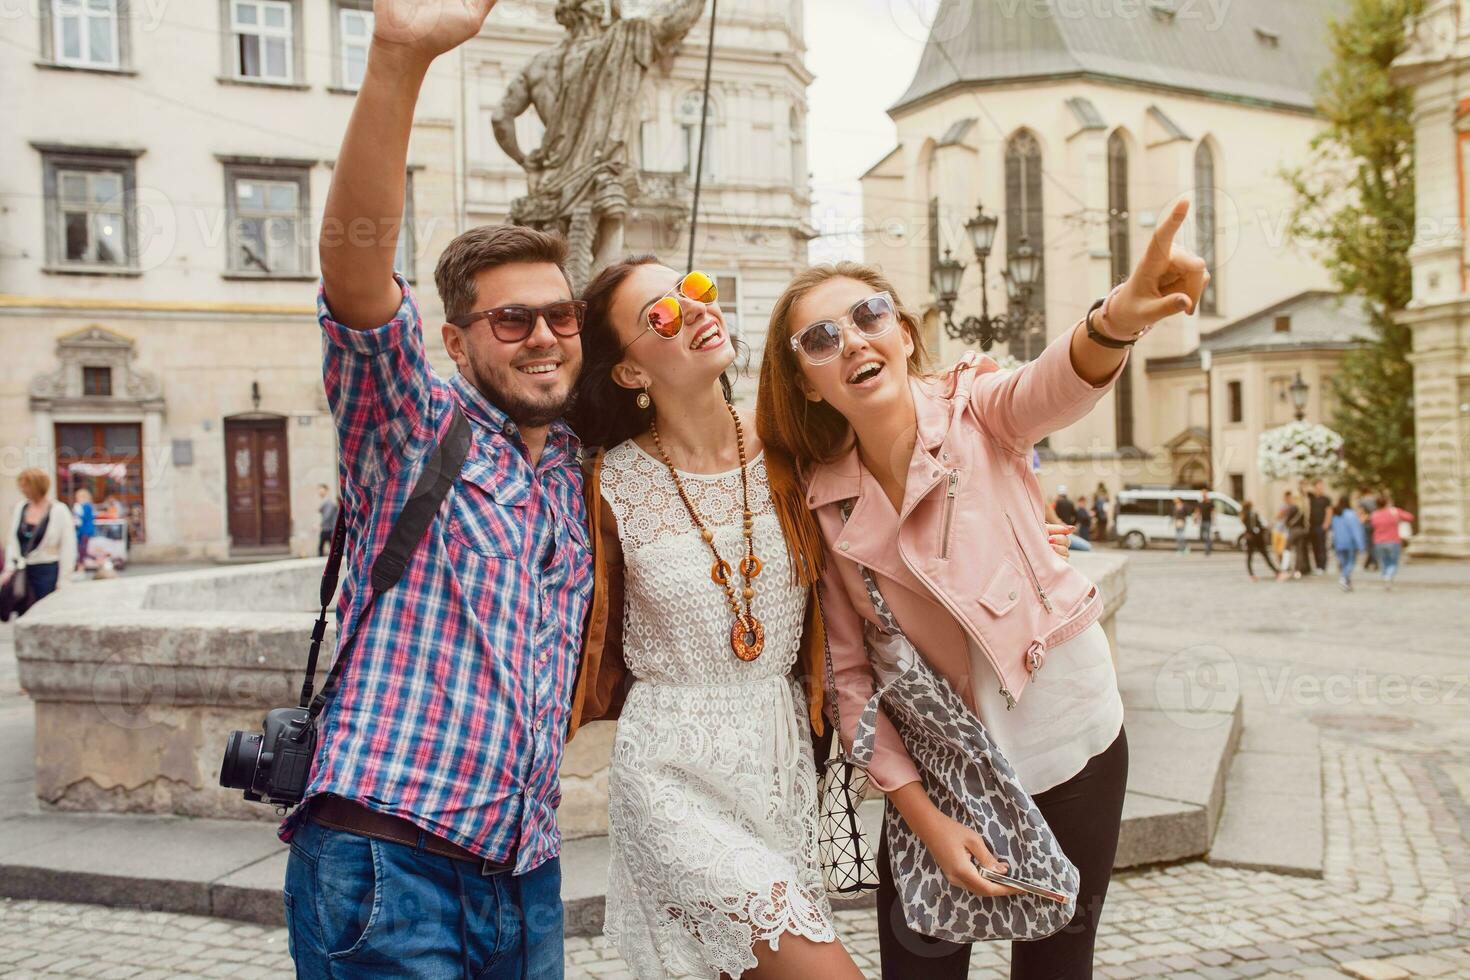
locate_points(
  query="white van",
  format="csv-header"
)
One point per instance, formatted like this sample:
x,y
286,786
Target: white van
x,y
1142,516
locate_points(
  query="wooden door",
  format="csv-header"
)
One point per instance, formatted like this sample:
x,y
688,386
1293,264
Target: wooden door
x,y
258,483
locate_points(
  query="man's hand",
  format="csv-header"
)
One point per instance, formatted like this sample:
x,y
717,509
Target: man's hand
x,y
360,227
426,29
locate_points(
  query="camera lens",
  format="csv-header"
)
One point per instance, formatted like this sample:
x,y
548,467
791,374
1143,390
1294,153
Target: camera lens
x,y
241,755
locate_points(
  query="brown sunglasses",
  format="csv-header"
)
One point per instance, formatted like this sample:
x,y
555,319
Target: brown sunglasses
x,y
513,324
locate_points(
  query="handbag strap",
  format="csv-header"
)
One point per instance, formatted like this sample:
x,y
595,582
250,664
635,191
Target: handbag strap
x,y
428,493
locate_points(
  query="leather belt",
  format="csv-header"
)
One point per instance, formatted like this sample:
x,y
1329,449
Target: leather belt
x,y
340,813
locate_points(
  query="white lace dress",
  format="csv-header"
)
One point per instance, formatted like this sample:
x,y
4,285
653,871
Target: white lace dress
x,y
712,790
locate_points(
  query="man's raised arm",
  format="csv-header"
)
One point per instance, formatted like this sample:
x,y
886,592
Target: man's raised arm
x,y
365,204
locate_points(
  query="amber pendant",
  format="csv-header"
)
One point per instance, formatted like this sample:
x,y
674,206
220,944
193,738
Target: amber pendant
x,y
747,637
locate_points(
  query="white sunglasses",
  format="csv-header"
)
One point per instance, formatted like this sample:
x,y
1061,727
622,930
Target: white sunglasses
x,y
825,340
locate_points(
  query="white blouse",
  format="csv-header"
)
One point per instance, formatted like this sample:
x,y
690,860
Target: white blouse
x,y
1068,712
58,544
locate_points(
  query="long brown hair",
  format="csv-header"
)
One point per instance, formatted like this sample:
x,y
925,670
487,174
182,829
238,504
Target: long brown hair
x,y
604,412
799,433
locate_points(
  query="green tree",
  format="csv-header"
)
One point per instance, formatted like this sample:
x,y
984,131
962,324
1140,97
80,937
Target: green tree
x,y
1354,201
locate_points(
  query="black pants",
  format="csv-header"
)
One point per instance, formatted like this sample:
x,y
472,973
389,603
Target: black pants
x,y
1319,547
1302,548
323,543
1085,813
1255,547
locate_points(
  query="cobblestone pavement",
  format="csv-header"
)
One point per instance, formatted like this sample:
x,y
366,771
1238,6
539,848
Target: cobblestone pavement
x,y
1385,677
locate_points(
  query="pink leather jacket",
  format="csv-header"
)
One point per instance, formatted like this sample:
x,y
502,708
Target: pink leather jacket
x,y
966,557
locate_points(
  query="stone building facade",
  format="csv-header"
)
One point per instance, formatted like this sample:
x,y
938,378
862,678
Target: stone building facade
x,y
158,250
1077,130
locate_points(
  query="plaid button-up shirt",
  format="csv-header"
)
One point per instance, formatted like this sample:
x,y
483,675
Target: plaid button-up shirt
x,y
452,712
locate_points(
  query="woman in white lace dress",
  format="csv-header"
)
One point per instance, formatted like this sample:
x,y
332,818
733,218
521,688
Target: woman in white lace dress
x,y
712,790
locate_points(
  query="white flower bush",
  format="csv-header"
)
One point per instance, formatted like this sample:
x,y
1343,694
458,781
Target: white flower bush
x,y
1299,451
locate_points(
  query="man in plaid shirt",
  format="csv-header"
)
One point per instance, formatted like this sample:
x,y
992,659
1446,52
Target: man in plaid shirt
x,y
428,845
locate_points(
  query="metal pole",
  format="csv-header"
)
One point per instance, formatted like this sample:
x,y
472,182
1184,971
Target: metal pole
x,y
709,60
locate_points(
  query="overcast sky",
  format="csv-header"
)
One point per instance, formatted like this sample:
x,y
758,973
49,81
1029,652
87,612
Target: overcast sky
x,y
863,53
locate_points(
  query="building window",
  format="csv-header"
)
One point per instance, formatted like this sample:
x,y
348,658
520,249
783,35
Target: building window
x,y
1237,406
354,32
729,291
933,239
269,233
97,382
1204,220
688,117
262,35
1237,487
407,251
83,33
1024,218
89,204
1120,264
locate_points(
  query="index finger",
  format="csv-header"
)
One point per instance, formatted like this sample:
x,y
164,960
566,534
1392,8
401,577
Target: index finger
x,y
1161,244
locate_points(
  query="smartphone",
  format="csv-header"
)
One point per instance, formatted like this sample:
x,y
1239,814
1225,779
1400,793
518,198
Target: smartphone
x,y
1025,886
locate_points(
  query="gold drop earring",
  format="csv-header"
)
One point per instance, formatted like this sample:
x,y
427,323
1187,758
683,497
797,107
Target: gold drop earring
x,y
643,399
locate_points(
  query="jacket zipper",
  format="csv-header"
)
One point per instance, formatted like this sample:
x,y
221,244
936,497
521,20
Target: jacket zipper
x,y
1035,582
954,483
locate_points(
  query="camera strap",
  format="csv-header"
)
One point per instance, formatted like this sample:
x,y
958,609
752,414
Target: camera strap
x,y
428,493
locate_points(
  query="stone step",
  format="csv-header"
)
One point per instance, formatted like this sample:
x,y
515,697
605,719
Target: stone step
x,y
233,868
1277,772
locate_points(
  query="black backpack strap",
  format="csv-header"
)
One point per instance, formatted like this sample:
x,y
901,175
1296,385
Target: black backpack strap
x,y
428,493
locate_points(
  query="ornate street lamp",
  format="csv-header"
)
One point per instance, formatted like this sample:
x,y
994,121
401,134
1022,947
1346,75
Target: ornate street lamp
x,y
1024,266
1299,389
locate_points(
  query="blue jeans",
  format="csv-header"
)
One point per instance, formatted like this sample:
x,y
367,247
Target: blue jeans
x,y
1346,559
360,907
1207,535
1388,558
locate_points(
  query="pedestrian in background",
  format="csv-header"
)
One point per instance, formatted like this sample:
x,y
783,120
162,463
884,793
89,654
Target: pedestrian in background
x,y
1255,540
1207,521
1100,507
1367,504
1319,519
85,517
1084,520
40,546
1295,520
1388,541
328,510
1066,510
1347,540
1181,521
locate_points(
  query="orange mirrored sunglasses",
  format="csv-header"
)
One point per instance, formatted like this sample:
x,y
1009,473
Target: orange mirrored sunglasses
x,y
666,315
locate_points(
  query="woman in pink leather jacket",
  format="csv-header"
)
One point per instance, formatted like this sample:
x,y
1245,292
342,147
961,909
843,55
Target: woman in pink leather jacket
x,y
946,514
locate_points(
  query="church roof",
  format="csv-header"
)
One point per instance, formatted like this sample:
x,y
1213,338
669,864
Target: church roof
x,y
1258,51
1315,319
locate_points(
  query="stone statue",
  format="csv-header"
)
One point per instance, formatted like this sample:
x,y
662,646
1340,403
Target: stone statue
x,y
585,89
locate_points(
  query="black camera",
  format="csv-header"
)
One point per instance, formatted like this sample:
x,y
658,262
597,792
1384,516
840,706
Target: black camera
x,y
272,766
